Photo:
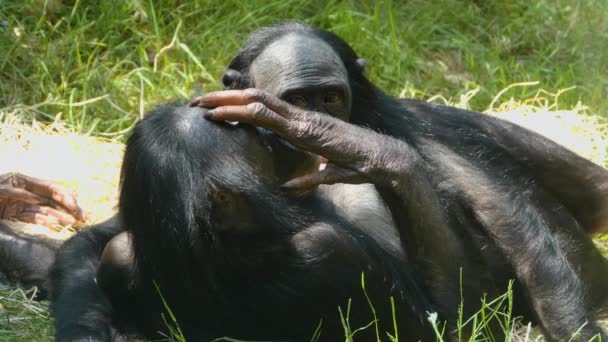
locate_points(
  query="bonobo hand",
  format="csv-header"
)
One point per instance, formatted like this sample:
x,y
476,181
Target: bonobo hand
x,y
355,154
33,200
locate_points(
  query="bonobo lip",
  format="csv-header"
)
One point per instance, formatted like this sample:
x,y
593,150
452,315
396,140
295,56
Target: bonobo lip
x,y
267,135
275,140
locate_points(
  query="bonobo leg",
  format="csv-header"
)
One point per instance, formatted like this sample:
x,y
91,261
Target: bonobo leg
x,y
116,269
563,273
25,260
577,183
81,309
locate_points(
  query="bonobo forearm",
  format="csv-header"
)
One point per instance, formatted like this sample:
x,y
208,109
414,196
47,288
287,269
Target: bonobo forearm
x,y
80,308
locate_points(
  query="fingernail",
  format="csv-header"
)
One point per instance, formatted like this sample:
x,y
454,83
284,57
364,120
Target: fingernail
x,y
208,115
287,185
70,204
197,102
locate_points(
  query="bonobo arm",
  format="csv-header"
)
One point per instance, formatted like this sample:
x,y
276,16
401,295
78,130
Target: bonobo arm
x,y
577,183
81,310
356,155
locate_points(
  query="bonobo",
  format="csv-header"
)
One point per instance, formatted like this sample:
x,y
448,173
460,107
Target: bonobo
x,y
205,230
469,193
25,259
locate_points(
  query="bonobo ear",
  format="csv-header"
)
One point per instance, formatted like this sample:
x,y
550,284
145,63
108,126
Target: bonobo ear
x,y
361,63
231,211
232,79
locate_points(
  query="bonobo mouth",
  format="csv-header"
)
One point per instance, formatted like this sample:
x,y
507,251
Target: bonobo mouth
x,y
293,161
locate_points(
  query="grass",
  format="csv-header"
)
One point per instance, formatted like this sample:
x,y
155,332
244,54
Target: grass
x,y
101,65
81,68
23,319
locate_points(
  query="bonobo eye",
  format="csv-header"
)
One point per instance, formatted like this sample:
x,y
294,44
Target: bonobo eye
x,y
297,100
332,99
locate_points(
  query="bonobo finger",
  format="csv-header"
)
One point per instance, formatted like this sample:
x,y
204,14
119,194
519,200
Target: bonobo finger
x,y
332,174
196,102
37,218
19,194
57,217
245,97
222,98
54,191
254,114
63,217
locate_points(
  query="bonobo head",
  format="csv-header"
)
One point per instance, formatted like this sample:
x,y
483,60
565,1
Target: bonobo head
x,y
312,69
188,183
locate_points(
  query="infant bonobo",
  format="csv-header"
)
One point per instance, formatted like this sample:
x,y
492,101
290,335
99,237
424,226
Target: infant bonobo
x,y
474,197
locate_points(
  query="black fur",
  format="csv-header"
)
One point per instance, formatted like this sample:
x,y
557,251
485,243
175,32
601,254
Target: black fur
x,y
25,259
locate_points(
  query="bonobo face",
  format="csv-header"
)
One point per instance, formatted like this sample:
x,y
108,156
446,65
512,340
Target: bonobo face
x,y
304,71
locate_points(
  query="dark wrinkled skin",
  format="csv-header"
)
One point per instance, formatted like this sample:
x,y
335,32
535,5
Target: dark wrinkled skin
x,y
466,190
32,200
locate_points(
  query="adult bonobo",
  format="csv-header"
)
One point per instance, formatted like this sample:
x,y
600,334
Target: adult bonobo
x,y
467,191
211,236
